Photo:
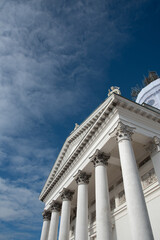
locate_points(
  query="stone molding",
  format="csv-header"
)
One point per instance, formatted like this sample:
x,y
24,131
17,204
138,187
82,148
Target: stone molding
x,y
46,215
82,177
122,132
153,146
66,194
55,206
100,158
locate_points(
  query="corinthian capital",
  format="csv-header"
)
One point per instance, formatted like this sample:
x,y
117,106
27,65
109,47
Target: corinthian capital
x,y
66,194
156,141
82,177
122,132
154,145
55,206
99,158
46,215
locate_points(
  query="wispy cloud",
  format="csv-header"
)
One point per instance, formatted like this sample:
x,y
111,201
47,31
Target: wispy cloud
x,y
20,209
16,202
26,161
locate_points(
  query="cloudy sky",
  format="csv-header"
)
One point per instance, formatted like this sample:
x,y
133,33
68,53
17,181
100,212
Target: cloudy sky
x,y
58,59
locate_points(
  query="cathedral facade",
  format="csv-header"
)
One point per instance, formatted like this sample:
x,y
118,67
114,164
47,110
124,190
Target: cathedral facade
x,y
105,183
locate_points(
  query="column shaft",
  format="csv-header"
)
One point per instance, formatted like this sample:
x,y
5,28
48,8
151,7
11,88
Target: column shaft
x,y
53,225
82,213
45,229
137,211
65,220
66,196
82,179
103,220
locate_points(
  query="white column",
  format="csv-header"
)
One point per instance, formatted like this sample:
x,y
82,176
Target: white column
x,y
136,206
46,224
66,196
103,218
55,212
154,148
82,180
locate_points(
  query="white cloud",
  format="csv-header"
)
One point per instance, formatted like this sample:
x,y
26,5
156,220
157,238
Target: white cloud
x,y
17,202
27,161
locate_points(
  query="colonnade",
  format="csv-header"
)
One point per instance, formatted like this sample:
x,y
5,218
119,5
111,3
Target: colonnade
x,y
137,212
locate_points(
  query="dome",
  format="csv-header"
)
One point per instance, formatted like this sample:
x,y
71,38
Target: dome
x,y
150,94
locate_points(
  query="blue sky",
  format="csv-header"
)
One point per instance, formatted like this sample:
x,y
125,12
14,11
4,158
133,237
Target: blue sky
x,y
57,61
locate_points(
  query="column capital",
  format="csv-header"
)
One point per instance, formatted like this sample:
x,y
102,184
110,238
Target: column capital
x,y
99,158
153,146
82,177
55,206
66,194
122,132
46,215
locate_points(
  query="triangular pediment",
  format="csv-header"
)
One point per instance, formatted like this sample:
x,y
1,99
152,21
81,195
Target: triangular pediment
x,y
72,142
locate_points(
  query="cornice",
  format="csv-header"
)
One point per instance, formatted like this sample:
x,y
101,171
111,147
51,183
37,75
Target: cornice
x,y
113,101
